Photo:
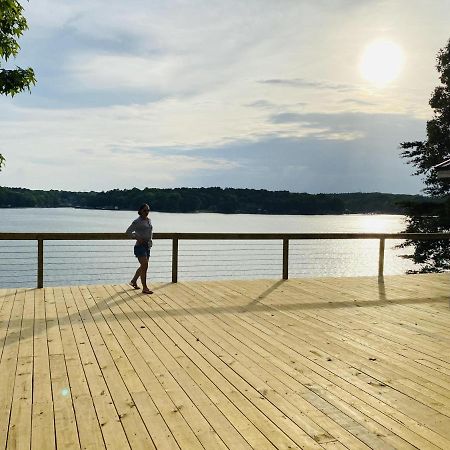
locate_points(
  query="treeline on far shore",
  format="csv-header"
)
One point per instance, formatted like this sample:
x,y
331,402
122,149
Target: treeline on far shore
x,y
214,199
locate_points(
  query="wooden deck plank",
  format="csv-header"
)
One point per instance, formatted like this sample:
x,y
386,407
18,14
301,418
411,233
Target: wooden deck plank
x,y
43,429
9,363
61,341
5,316
65,422
7,301
326,363
87,374
19,433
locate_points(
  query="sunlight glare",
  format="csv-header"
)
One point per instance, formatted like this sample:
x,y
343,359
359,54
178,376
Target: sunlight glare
x,y
381,62
373,223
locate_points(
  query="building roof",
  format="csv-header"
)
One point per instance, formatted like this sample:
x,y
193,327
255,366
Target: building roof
x,y
443,169
443,165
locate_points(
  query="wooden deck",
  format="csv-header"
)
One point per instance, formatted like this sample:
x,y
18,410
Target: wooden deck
x,y
313,363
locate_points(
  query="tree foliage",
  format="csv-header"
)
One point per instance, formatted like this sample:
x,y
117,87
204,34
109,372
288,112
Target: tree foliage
x,y
12,26
214,199
432,216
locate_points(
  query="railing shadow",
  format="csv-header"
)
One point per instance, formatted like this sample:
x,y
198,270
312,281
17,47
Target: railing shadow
x,y
268,291
381,289
255,306
27,327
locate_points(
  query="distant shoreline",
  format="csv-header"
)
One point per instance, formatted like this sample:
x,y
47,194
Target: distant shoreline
x,y
200,212
213,200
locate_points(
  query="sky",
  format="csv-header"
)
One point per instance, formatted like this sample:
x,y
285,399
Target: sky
x,y
300,95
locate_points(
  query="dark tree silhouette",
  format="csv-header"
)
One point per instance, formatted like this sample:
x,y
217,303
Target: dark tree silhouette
x,y
434,215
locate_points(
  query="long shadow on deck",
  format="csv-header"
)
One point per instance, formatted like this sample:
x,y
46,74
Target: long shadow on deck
x,y
102,304
254,305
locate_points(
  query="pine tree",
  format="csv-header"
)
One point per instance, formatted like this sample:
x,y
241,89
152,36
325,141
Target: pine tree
x,y
432,216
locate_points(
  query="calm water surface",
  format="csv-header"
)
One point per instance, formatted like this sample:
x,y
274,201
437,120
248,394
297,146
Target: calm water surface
x,y
113,261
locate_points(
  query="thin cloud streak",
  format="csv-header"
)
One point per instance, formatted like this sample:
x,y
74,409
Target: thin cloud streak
x,y
298,82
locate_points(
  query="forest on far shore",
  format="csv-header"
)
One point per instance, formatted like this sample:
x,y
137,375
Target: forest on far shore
x,y
213,199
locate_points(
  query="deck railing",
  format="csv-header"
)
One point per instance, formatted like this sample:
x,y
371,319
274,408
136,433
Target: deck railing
x,y
284,239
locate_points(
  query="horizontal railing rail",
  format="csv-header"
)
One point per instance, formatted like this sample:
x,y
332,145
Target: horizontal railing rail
x,y
176,237
225,236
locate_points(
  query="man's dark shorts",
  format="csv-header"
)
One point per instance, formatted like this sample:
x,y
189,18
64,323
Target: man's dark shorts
x,y
142,250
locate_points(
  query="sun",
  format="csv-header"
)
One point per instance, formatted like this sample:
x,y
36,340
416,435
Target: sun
x,y
382,62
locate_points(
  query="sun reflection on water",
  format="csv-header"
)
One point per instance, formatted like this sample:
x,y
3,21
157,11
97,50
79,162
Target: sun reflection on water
x,y
373,224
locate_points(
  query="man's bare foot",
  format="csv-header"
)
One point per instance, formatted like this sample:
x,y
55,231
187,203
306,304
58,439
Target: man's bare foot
x,y
147,291
134,285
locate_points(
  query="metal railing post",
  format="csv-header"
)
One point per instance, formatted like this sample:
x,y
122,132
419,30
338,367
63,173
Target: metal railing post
x,y
40,272
285,259
381,258
174,260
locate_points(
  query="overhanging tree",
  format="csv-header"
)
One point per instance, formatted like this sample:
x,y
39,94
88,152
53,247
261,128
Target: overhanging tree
x,y
432,216
12,26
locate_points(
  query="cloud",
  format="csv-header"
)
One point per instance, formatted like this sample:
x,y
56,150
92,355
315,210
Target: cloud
x,y
110,72
106,169
368,163
301,83
358,102
104,158
136,53
264,104
288,118
336,127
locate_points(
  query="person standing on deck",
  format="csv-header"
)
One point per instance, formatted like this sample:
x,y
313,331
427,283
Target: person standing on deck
x,y
141,229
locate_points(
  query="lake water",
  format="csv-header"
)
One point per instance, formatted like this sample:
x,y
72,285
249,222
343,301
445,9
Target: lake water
x,y
95,262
